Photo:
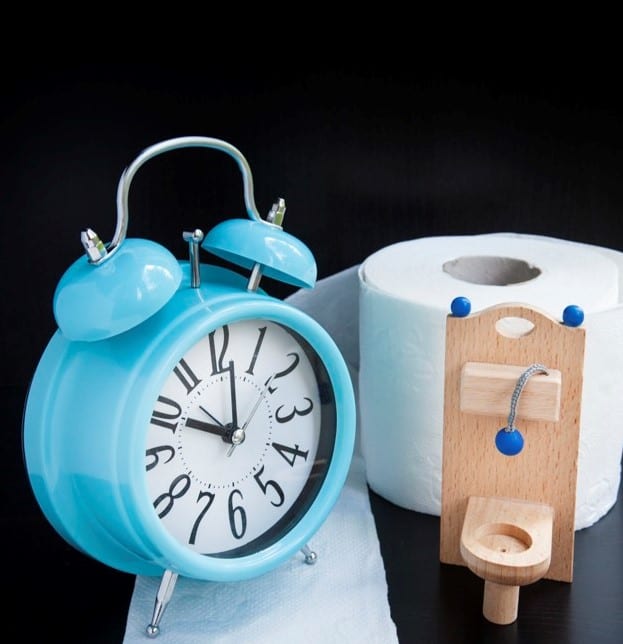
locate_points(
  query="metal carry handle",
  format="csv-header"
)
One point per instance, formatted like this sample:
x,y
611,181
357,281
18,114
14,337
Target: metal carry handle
x,y
99,254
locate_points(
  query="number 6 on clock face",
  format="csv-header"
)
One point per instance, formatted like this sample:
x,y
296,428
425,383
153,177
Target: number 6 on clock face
x,y
240,438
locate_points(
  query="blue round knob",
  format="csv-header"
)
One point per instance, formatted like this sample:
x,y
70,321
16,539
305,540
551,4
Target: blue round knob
x,y
509,443
460,307
573,315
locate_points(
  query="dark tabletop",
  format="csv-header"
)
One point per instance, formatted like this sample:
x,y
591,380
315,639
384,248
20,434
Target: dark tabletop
x,y
433,602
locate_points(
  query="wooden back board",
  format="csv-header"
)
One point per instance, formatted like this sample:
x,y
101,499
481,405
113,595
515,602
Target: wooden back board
x,y
545,471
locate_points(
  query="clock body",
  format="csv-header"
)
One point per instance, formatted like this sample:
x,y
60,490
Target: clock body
x,y
128,440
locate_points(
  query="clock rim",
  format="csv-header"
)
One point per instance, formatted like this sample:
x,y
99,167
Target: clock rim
x,y
173,555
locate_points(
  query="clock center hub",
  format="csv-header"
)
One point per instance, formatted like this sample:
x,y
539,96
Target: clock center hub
x,y
237,437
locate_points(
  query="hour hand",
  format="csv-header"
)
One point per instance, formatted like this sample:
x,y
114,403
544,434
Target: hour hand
x,y
211,428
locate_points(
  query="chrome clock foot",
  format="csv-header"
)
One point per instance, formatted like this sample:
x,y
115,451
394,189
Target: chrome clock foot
x,y
310,555
163,596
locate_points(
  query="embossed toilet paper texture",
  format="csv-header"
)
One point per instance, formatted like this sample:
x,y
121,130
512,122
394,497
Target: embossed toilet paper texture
x,y
342,599
405,296
601,423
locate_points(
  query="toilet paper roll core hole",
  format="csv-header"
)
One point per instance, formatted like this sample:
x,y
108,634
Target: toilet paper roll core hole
x,y
491,270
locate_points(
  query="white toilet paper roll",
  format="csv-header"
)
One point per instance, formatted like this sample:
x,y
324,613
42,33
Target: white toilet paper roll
x,y
405,295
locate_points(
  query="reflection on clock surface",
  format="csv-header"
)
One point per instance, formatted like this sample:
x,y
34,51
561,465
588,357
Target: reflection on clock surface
x,y
240,438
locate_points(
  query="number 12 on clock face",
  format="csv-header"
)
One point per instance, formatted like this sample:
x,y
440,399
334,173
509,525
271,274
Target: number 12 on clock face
x,y
240,438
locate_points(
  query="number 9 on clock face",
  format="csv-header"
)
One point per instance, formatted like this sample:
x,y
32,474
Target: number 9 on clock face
x,y
240,438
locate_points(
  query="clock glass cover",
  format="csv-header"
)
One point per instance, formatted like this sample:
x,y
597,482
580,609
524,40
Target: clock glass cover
x,y
240,439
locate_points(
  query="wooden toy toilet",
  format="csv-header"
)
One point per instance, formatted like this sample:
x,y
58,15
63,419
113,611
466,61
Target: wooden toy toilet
x,y
509,516
507,543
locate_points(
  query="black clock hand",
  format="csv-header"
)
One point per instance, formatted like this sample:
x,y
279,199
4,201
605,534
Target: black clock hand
x,y
214,418
240,434
232,392
219,430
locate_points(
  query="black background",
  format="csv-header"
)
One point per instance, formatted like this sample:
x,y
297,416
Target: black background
x,y
366,152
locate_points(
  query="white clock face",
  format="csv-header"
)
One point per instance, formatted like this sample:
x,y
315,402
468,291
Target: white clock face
x,y
240,438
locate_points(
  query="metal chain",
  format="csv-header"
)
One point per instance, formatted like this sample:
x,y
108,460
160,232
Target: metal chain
x,y
521,382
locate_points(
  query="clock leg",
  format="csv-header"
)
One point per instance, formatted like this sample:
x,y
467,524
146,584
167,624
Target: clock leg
x,y
310,555
163,596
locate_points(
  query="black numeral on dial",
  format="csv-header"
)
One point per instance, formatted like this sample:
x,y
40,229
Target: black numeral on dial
x,y
209,496
218,350
290,454
256,351
186,376
237,515
264,486
154,454
169,412
179,486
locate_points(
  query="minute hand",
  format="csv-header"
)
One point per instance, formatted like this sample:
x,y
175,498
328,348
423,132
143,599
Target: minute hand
x,y
232,393
240,434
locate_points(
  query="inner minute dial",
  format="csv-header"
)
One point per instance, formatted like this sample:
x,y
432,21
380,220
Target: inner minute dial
x,y
210,460
235,450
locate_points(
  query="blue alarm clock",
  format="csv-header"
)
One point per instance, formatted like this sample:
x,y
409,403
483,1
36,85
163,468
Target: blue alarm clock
x,y
181,421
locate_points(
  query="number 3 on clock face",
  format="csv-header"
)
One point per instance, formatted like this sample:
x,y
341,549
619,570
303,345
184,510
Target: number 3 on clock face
x,y
240,438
